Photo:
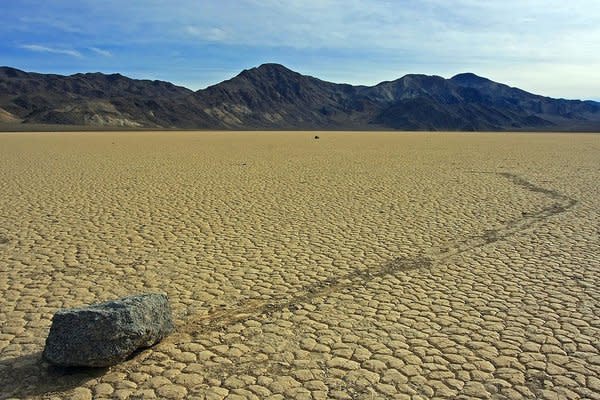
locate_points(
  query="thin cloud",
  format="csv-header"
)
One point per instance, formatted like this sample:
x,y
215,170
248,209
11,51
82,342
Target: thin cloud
x,y
212,34
101,52
52,23
45,49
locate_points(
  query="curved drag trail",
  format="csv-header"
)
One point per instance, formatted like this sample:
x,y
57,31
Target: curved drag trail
x,y
360,277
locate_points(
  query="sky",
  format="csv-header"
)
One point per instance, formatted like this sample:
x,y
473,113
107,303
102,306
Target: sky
x,y
543,46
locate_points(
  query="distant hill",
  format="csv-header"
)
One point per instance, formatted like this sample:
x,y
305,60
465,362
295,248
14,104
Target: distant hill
x,y
274,97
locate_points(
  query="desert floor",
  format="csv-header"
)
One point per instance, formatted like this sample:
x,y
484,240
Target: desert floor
x,y
356,266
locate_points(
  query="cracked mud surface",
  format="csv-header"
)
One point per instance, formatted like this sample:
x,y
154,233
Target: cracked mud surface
x,y
358,266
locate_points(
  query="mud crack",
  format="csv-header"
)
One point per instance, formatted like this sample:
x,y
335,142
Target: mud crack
x,y
359,277
242,311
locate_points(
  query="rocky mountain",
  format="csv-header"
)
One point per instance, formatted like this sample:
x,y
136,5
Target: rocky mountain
x,y
96,99
274,97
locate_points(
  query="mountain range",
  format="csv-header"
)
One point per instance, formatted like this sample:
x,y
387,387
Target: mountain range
x,y
272,96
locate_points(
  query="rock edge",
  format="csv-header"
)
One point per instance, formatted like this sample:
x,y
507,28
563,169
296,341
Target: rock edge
x,y
105,334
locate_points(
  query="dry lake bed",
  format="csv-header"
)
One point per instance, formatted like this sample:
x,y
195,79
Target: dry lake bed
x,y
353,266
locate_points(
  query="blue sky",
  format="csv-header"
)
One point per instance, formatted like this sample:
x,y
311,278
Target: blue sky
x,y
544,46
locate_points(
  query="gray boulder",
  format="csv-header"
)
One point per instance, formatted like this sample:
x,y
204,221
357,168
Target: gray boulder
x,y
105,334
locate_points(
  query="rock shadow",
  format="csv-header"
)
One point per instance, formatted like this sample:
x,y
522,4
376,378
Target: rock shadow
x,y
29,375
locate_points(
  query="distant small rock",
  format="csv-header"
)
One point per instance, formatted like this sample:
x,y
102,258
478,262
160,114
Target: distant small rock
x,y
316,137
105,334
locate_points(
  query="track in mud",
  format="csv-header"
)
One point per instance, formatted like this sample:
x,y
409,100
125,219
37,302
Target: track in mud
x,y
359,277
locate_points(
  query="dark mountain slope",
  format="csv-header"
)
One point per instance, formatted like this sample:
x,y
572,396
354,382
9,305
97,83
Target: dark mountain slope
x,y
274,97
423,102
96,99
500,95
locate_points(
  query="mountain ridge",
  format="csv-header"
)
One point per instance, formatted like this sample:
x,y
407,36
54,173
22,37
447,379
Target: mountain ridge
x,y
271,96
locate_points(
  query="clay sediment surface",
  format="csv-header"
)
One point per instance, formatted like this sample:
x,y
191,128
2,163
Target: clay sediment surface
x,y
356,266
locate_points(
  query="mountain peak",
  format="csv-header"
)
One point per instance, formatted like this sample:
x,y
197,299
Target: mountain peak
x,y
469,78
273,67
268,69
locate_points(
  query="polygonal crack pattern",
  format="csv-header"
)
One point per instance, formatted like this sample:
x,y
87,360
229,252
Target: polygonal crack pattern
x,y
359,266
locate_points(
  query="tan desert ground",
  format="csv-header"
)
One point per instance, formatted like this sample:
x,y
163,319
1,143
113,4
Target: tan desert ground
x,y
353,266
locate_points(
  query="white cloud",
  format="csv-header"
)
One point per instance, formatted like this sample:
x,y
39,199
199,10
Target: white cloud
x,y
101,52
45,49
213,34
